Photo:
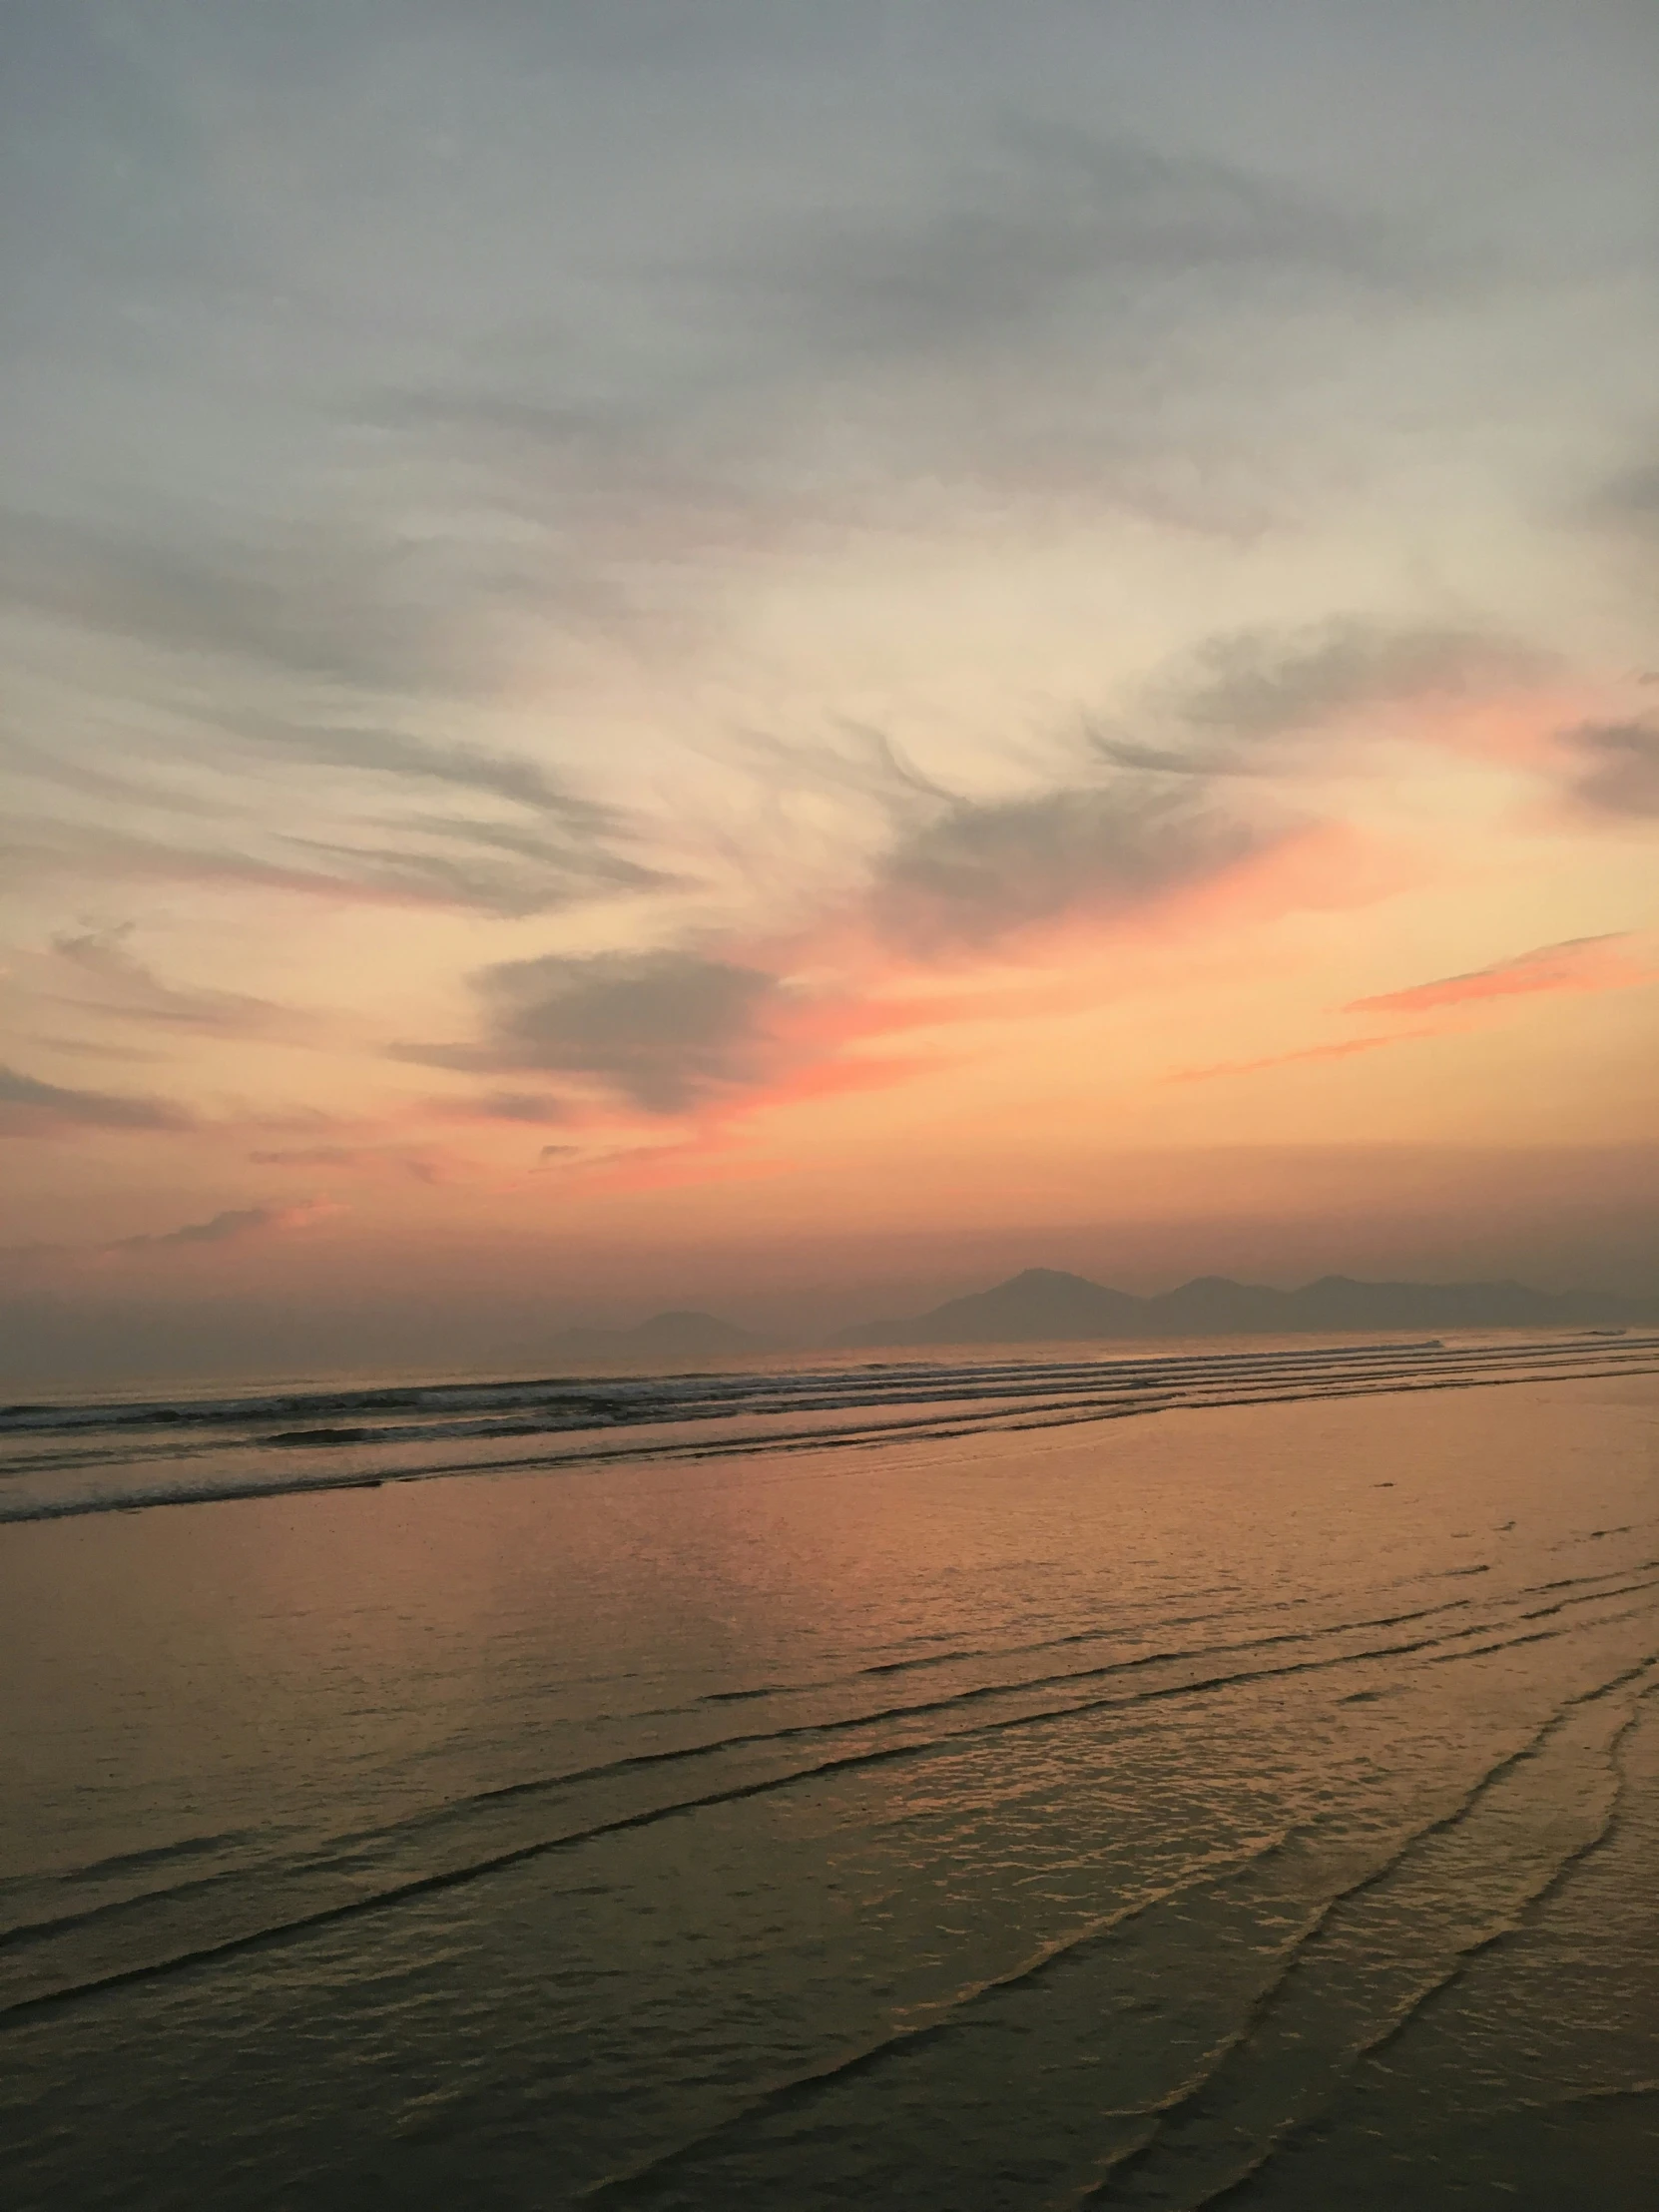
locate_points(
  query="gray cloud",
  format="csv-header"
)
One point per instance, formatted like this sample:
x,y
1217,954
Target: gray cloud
x,y
1065,228
225,1228
100,1048
396,753
1068,313
967,874
31,1108
307,650
535,877
662,1029
1618,770
310,604
396,1159
526,1106
1264,684
666,1030
56,768
1630,500
130,991
540,876
977,873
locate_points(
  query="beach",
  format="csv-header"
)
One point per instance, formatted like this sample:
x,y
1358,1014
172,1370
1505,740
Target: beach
x,y
1025,1781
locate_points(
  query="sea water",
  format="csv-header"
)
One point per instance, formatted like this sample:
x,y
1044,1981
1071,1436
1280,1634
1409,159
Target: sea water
x,y
1037,1778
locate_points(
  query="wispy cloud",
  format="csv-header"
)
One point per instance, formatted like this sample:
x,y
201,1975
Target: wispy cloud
x,y
1060,315
403,755
1579,964
1629,499
301,603
419,1163
391,871
128,990
1345,1048
1265,681
234,1226
31,1108
1599,963
1058,227
1223,707
1616,768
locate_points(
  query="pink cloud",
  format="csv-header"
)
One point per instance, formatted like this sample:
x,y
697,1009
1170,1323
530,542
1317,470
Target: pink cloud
x,y
1346,1049
1578,964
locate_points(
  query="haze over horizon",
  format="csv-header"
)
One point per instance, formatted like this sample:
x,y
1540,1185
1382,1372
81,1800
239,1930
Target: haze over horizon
x,y
786,660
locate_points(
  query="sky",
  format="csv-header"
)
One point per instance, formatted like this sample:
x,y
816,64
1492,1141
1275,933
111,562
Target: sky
x,y
781,658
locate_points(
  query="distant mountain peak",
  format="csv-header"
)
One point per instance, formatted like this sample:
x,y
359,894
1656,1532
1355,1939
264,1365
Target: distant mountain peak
x,y
1042,1303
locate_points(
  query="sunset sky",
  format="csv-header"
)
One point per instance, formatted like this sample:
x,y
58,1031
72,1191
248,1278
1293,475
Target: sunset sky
x,y
782,657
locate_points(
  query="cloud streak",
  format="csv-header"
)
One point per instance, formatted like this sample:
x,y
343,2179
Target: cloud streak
x,y
32,1108
1578,964
130,991
235,1225
1346,1049
1255,685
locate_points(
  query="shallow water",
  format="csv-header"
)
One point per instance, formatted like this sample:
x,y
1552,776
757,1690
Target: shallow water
x,y
746,1802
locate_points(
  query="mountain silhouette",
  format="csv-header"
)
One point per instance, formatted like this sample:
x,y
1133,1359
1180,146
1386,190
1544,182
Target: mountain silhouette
x,y
1045,1302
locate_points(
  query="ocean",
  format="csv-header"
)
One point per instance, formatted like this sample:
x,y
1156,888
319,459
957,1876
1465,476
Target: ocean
x,y
1013,1777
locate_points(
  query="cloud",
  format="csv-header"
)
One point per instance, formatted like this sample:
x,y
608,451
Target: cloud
x,y
230,1227
1619,770
552,877
1629,499
315,1155
528,1106
422,1165
568,848
1062,234
660,1029
399,753
680,1030
1065,315
1249,686
708,1154
1578,964
130,991
31,1108
310,603
383,874
286,650
1344,1049
100,1048
979,872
